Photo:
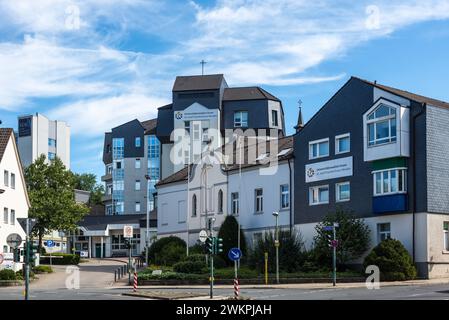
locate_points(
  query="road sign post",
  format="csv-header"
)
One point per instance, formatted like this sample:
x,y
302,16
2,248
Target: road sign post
x,y
128,234
235,254
333,243
266,268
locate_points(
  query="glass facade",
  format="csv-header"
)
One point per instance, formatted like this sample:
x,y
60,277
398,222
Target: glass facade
x,y
118,175
153,168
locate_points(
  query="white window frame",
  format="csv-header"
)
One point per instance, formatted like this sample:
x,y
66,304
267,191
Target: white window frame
x,y
379,233
235,200
258,201
12,181
5,216
382,193
241,123
284,193
138,207
137,185
12,217
446,236
382,119
337,191
6,178
311,190
138,142
137,164
337,145
318,142
274,118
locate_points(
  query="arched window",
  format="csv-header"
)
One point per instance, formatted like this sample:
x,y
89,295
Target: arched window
x,y
194,205
220,201
381,125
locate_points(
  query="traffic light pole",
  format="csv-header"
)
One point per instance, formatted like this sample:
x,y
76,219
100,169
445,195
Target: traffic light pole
x,y
211,276
334,258
27,261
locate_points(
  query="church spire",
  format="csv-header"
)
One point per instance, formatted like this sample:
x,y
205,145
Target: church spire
x,y
300,123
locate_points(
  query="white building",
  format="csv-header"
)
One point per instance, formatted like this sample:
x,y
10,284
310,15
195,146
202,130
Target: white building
x,y
250,191
14,202
38,135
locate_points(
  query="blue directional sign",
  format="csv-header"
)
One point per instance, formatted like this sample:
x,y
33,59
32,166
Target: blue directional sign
x,y
234,254
50,243
328,228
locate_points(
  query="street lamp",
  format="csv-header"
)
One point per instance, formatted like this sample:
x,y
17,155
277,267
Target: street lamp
x,y
148,219
276,244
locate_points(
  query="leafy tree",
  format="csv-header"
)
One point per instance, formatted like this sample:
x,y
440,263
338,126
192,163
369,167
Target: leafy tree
x,y
393,260
167,250
228,232
292,254
50,188
88,182
353,237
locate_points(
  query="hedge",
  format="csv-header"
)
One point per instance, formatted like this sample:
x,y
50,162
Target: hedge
x,y
67,259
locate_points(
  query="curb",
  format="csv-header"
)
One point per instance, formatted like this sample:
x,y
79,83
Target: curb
x,y
159,297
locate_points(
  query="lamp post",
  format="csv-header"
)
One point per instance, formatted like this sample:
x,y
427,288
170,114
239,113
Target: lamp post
x,y
211,228
276,244
147,234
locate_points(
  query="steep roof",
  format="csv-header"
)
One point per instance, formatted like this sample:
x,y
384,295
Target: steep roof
x,y
206,82
149,125
175,177
5,135
247,93
408,95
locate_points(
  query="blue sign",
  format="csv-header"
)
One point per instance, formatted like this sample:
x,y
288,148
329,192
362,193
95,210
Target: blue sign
x,y
328,228
50,243
235,254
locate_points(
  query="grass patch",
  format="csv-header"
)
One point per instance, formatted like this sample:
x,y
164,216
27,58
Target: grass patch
x,y
42,269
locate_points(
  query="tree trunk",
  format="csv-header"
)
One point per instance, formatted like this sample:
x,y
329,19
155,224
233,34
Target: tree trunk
x,y
40,236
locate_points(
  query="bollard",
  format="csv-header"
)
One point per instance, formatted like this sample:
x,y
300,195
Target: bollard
x,y
236,289
135,281
115,275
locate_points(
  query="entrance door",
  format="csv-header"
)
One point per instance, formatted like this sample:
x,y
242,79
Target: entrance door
x,y
98,250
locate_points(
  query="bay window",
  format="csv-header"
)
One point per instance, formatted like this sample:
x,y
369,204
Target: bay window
x,y
390,181
381,125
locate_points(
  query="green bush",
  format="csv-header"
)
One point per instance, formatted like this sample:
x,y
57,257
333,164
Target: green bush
x,y
197,267
43,269
229,233
292,254
196,249
67,259
167,251
393,260
7,274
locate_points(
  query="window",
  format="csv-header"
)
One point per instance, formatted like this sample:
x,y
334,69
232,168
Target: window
x,y
383,231
194,206
109,189
381,125
118,148
343,191
5,248
220,201
137,206
51,156
109,210
241,119
285,196
259,200
446,235
5,215
319,195
390,181
137,164
342,143
186,157
137,185
196,131
51,142
109,169
319,148
13,181
6,178
137,142
274,118
187,127
235,203
13,217
205,134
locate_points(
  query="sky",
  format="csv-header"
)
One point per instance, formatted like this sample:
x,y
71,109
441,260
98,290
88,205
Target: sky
x,y
97,64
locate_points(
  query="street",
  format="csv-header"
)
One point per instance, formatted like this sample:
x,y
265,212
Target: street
x,y
96,283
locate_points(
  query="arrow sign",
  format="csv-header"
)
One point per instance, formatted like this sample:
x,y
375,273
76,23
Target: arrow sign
x,y
234,254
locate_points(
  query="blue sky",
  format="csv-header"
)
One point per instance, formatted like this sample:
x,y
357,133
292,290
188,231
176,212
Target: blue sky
x,y
96,64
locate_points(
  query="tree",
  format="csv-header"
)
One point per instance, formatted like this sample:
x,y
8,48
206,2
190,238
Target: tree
x,y
88,182
228,232
393,260
353,237
51,191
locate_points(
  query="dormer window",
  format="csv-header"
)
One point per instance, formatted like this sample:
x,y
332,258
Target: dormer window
x,y
381,125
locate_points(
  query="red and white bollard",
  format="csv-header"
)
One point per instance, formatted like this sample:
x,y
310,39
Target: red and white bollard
x,y
236,288
135,281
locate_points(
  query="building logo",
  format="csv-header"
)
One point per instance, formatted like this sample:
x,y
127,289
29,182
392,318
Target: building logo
x,y
178,115
310,172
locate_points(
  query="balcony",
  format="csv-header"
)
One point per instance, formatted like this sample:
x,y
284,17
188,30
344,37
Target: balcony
x,y
390,203
106,197
106,177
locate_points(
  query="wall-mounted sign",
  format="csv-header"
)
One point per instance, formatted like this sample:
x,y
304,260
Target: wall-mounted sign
x,y
25,127
188,116
331,169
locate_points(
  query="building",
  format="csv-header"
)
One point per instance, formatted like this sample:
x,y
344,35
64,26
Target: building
x,y
14,202
38,135
382,153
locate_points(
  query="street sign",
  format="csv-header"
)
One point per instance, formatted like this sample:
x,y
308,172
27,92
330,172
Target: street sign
x,y
328,228
127,231
234,254
334,243
203,235
50,243
23,223
1,258
14,240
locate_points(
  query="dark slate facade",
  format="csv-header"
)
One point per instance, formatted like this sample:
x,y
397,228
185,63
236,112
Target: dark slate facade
x,y
342,114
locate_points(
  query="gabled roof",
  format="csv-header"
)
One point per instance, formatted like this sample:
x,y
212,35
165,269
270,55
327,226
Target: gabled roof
x,y
149,125
5,135
175,177
408,95
247,93
206,82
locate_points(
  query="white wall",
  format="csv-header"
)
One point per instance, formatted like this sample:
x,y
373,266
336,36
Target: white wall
x,y
15,199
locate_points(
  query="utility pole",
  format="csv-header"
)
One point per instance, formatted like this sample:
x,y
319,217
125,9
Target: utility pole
x,y
276,244
27,260
211,222
147,234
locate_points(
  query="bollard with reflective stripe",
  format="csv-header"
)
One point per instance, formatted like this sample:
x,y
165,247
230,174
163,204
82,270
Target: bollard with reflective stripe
x,y
135,281
236,288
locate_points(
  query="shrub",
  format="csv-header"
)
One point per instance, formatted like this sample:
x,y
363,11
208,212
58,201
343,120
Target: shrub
x,y
196,249
393,260
228,232
167,251
197,267
67,259
7,274
218,261
292,254
43,269
353,237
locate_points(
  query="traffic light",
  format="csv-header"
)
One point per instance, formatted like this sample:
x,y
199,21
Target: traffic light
x,y
329,239
210,245
218,245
